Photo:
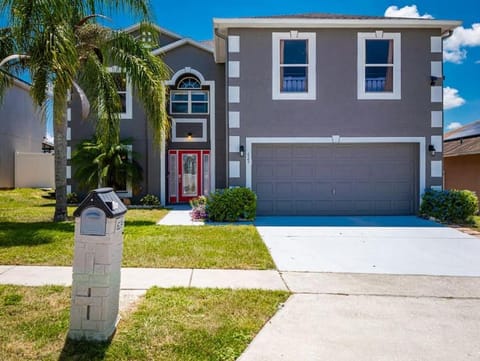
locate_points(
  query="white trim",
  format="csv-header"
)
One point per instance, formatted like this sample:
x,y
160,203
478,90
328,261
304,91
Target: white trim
x,y
175,138
189,101
396,94
342,140
186,70
233,120
161,30
163,174
211,85
234,144
234,94
436,118
223,24
233,69
69,172
436,44
437,142
436,69
234,169
436,168
69,152
128,93
436,94
69,114
20,83
311,94
69,189
179,43
69,133
233,44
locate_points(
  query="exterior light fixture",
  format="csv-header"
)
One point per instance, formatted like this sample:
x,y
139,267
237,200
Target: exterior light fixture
x,y
189,136
242,151
435,79
432,150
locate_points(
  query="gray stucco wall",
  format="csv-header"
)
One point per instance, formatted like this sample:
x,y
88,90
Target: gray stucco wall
x,y
138,128
336,110
22,130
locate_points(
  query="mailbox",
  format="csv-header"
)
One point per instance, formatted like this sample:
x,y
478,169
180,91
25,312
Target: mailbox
x,y
97,260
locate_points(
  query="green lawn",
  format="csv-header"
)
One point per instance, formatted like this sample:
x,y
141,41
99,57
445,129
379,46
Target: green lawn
x,y
169,324
27,236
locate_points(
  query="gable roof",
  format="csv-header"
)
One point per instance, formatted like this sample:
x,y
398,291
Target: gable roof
x,y
181,40
462,141
179,43
161,30
321,20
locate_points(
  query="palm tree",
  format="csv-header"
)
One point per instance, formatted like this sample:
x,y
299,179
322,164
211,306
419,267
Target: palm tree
x,y
62,47
103,165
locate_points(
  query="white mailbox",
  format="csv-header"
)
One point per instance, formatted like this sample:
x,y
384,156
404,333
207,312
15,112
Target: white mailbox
x,y
97,260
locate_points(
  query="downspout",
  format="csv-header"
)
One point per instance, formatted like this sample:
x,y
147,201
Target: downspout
x,y
227,154
444,36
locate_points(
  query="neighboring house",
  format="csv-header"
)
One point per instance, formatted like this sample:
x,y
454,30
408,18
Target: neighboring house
x,y
318,114
21,131
461,158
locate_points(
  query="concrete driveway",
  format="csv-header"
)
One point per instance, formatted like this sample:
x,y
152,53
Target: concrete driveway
x,y
371,288
387,245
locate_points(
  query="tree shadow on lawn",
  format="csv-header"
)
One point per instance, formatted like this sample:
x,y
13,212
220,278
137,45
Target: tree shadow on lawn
x,y
31,234
84,350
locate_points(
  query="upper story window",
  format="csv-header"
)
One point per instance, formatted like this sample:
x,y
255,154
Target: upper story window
x,y
124,90
379,69
189,98
293,65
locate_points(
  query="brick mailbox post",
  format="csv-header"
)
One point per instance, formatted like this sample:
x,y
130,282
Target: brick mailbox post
x,y
96,266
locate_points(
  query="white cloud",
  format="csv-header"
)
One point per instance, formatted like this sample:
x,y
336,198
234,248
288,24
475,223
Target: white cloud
x,y
451,99
405,12
453,125
477,62
453,47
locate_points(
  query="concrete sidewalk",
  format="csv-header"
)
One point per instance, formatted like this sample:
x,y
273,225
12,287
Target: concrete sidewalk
x,y
330,316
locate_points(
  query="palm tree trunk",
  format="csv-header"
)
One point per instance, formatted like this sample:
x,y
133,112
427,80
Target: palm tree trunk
x,y
60,143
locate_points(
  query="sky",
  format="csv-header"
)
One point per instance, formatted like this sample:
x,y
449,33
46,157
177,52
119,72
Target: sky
x,y
194,19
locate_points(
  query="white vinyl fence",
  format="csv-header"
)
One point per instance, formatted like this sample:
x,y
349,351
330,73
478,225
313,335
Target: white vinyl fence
x,y
34,170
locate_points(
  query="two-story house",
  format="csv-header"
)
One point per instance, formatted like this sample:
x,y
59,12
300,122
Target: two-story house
x,y
318,114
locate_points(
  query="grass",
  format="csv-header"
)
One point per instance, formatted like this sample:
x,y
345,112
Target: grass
x,y
28,237
169,324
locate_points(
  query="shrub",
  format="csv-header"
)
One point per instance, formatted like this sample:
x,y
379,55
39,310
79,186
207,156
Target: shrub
x,y
230,205
150,200
449,205
72,198
199,212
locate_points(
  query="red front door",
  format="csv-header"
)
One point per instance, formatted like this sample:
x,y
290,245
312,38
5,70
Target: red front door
x,y
189,177
188,174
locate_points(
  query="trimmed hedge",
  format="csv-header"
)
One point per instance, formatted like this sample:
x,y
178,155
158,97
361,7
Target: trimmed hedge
x,y
452,205
232,204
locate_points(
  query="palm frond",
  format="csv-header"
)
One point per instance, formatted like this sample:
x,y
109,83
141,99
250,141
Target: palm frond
x,y
147,74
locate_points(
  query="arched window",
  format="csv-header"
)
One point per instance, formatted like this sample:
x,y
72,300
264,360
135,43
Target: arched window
x,y
189,82
188,97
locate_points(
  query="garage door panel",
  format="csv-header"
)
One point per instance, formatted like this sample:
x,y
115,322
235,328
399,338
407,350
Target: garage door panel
x,y
283,169
284,189
335,179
